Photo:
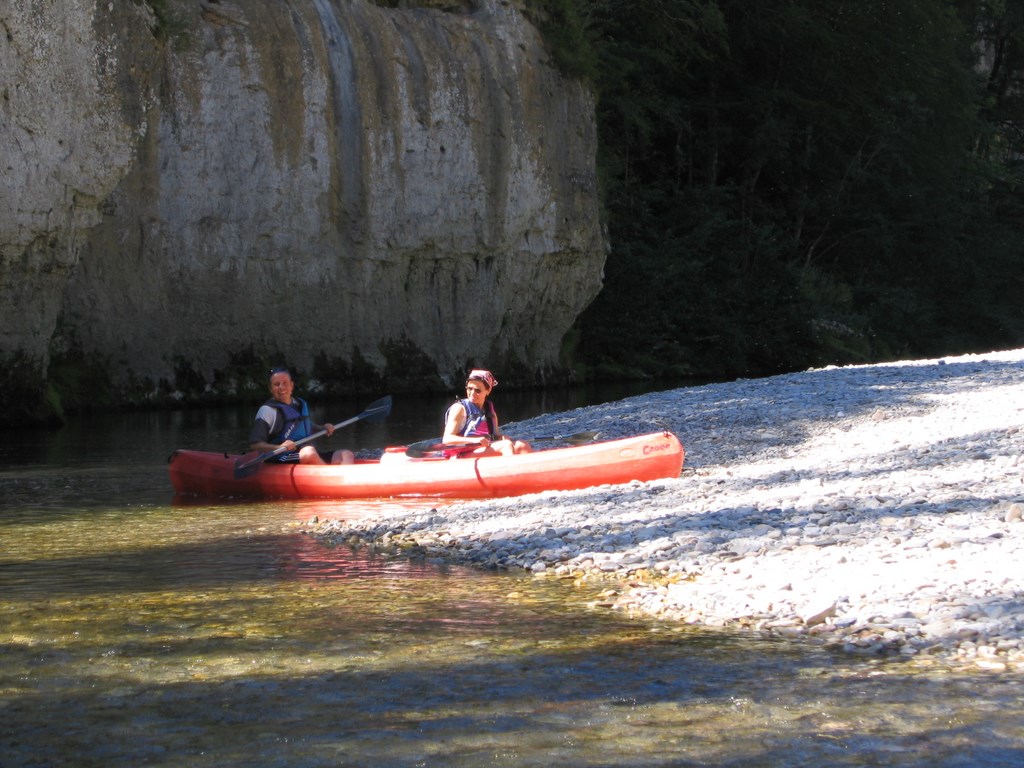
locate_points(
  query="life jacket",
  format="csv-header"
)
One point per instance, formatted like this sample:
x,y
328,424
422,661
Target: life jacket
x,y
478,423
293,424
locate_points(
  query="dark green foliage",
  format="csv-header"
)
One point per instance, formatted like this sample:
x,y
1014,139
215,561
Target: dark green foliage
x,y
26,403
170,25
80,382
795,182
564,26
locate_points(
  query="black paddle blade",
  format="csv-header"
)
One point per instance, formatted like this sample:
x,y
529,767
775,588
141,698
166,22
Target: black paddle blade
x,y
250,467
580,438
378,410
432,446
423,448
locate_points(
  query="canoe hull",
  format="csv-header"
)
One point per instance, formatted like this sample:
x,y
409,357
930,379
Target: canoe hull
x,y
646,457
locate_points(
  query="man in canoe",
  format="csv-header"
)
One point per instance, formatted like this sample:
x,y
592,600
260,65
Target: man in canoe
x,y
283,419
473,420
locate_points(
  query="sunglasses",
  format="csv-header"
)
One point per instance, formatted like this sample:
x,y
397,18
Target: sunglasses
x,y
280,369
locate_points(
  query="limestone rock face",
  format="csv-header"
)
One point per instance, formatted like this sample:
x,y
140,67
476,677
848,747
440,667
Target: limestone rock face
x,y
71,110
326,182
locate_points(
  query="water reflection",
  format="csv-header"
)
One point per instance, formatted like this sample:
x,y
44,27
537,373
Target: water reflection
x,y
138,631
301,557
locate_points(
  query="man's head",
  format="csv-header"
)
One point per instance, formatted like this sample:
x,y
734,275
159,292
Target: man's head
x,y
281,384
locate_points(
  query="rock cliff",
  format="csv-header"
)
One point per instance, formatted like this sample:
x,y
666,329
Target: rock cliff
x,y
378,196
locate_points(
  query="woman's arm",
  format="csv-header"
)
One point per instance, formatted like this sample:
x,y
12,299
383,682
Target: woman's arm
x,y
453,428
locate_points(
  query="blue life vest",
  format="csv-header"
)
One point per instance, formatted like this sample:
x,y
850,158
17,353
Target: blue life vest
x,y
293,424
478,423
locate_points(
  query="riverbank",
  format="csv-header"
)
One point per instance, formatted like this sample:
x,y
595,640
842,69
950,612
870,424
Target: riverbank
x,y
877,509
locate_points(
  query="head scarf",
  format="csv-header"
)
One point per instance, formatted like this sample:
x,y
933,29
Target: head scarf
x,y
485,376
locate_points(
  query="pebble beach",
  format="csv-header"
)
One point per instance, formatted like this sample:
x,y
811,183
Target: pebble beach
x,y
876,509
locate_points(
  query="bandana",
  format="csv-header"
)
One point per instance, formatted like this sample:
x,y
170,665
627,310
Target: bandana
x,y
485,376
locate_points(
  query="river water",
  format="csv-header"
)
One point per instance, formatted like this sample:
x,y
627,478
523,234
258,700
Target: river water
x,y
137,629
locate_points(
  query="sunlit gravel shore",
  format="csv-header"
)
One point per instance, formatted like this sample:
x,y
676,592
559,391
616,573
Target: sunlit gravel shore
x,y
874,508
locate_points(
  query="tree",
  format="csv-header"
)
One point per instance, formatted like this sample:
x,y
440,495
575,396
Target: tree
x,y
777,168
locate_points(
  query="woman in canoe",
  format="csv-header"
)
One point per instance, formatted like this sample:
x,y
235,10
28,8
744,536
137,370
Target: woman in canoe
x,y
283,419
473,421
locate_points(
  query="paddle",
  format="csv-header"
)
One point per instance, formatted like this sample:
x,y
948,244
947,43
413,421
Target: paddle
x,y
426,447
375,411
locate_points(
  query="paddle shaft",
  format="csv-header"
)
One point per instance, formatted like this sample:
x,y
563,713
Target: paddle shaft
x,y
307,438
420,449
379,407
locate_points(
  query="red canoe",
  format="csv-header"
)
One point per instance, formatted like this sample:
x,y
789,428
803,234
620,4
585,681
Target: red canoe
x,y
647,457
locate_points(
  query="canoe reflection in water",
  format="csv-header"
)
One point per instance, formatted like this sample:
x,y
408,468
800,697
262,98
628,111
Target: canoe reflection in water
x,y
288,555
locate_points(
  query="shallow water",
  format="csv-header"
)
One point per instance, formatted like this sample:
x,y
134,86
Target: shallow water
x,y
139,630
